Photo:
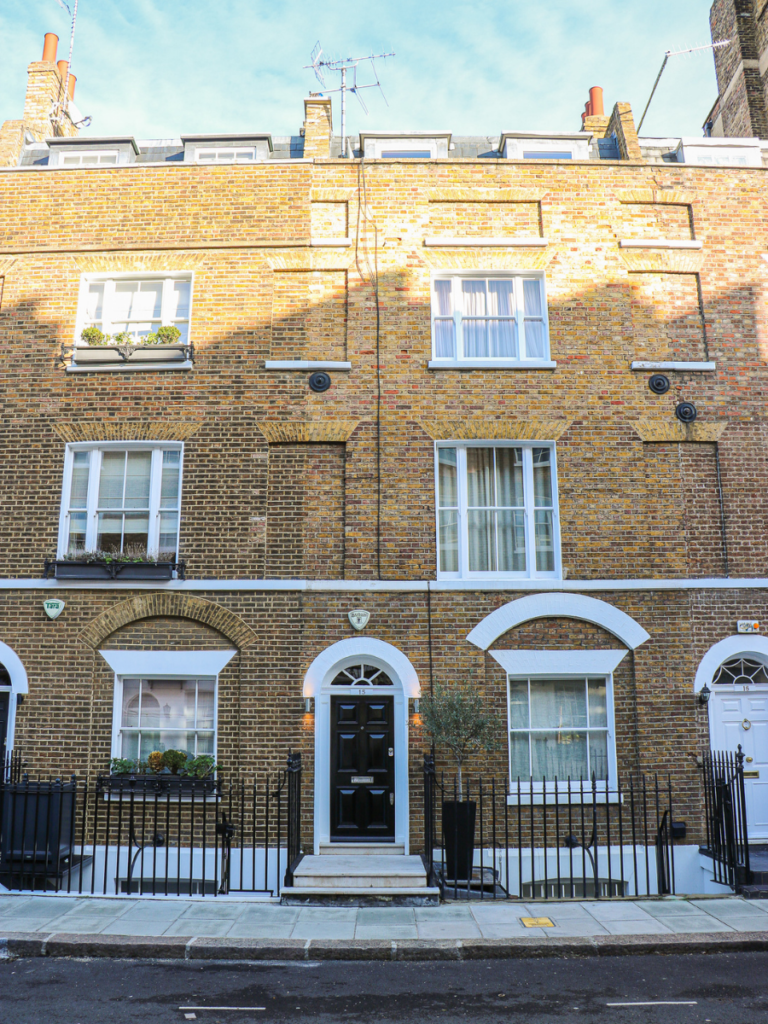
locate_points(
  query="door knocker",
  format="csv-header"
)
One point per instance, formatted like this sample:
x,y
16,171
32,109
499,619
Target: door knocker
x,y
746,725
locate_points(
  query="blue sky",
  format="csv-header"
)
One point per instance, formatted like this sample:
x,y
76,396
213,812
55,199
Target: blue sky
x,y
159,68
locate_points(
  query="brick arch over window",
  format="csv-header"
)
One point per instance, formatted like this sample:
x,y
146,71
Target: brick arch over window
x,y
179,606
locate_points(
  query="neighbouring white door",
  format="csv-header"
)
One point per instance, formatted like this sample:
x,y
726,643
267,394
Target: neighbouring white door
x,y
739,715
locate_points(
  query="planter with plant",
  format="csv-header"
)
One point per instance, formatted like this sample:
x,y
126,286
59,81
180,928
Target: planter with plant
x,y
134,563
163,771
456,722
127,346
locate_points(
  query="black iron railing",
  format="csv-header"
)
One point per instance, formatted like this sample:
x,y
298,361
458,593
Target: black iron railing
x,y
11,767
726,817
554,839
142,838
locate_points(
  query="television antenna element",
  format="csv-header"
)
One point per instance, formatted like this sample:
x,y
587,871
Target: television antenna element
x,y
320,65
667,55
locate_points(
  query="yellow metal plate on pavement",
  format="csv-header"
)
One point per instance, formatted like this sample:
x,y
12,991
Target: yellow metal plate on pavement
x,y
538,922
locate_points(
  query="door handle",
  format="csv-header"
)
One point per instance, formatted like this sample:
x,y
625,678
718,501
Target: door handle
x,y
391,799
746,725
749,760
391,751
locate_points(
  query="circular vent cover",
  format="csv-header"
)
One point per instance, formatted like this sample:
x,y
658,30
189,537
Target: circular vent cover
x,y
659,384
319,381
686,412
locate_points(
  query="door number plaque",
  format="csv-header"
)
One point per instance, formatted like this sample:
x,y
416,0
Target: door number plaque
x,y
362,780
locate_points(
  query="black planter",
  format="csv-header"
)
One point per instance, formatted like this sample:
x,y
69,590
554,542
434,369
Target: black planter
x,y
162,783
67,570
459,838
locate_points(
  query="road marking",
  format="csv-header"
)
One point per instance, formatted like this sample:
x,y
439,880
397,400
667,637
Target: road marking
x,y
240,1008
660,1002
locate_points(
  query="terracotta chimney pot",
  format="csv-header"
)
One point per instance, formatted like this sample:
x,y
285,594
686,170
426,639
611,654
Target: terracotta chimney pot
x,y
596,100
71,87
50,45
62,65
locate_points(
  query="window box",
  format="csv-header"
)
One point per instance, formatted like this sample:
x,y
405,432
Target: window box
x,y
119,354
150,784
66,569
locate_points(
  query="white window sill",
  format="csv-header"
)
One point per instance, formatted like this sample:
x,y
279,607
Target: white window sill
x,y
575,798
491,364
468,582
502,241
658,243
185,364
304,364
674,366
331,243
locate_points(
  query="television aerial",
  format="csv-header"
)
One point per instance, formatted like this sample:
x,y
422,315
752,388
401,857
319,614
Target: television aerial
x,y
320,65
66,103
667,55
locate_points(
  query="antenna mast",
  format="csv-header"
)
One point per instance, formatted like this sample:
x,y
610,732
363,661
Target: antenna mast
x,y
319,66
73,16
667,55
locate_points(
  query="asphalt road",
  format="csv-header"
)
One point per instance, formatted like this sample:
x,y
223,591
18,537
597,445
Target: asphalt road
x,y
727,988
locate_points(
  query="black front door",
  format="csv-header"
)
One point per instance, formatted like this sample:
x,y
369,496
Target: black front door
x,y
362,768
5,699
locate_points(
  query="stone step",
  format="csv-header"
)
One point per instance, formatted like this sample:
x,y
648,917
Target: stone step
x,y
354,896
364,871
361,849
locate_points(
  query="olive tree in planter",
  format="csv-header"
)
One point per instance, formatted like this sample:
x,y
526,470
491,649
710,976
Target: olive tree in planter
x,y
455,720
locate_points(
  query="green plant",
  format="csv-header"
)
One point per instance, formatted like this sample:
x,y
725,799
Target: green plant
x,y
94,336
166,335
133,553
155,761
456,719
201,767
125,766
175,760
122,338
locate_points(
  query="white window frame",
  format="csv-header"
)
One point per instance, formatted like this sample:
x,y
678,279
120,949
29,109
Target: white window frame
x,y
110,279
456,277
461,483
97,447
67,159
117,707
214,154
535,789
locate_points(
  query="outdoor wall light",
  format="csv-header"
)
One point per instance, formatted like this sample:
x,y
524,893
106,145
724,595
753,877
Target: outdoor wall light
x,y
307,705
704,694
416,706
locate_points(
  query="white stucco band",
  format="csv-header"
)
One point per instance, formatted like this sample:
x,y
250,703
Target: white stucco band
x,y
558,663
12,662
731,647
558,605
167,663
363,647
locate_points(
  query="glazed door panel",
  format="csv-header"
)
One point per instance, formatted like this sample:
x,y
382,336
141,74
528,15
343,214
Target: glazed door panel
x,y
362,768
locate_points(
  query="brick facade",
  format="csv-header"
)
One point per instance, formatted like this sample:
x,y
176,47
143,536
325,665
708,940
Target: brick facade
x,y
281,483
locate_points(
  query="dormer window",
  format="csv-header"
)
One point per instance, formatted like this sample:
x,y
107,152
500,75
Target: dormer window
x,y
226,156
86,152
722,152
398,146
226,149
539,146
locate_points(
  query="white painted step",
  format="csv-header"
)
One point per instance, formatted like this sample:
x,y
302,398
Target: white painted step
x,y
362,849
363,871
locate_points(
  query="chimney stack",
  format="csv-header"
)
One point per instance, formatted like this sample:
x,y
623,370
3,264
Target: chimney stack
x,y
594,119
318,126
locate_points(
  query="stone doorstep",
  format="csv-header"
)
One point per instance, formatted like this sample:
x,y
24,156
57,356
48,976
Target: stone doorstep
x,y
361,849
360,896
365,871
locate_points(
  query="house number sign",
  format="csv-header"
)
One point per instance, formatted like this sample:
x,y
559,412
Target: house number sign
x,y
359,618
53,607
